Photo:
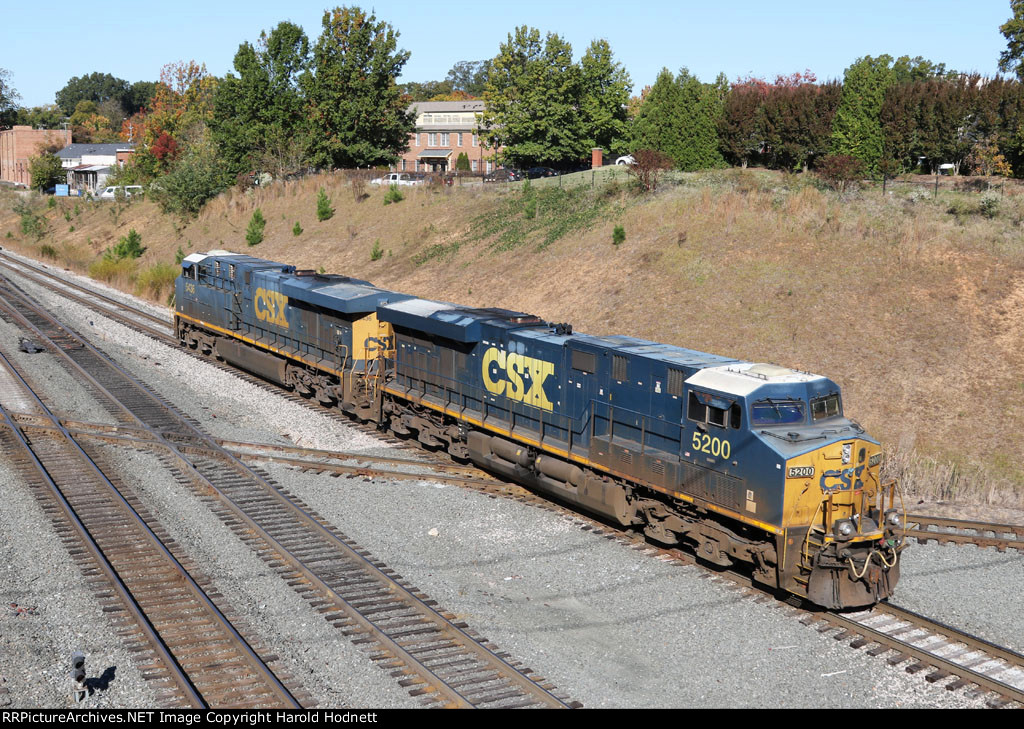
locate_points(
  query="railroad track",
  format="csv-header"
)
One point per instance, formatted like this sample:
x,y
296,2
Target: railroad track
x,y
940,652
437,657
184,640
959,531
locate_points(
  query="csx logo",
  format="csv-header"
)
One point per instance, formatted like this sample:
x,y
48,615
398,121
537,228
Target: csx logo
x,y
269,307
842,480
517,377
372,344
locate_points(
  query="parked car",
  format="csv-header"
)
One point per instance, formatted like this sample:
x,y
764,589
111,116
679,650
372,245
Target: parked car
x,y
626,159
112,192
503,175
396,178
534,172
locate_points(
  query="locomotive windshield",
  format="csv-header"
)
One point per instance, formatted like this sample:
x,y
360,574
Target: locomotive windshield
x,y
778,412
826,407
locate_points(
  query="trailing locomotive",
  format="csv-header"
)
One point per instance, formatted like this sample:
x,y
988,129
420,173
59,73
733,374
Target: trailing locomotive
x,y
746,462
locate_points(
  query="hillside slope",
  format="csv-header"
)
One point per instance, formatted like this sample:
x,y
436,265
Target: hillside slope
x,y
915,306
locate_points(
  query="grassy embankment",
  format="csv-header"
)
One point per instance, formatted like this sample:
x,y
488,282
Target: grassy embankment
x,y
914,305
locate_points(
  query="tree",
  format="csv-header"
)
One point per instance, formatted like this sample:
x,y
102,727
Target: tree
x,y
795,123
357,114
9,98
195,177
532,102
857,127
258,115
1013,31
96,87
469,77
45,170
48,116
680,118
605,99
88,125
658,123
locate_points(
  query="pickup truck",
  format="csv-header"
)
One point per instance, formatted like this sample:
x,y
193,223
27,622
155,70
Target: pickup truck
x,y
396,178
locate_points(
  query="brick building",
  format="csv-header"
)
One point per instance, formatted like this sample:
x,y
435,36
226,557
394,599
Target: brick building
x,y
20,143
444,130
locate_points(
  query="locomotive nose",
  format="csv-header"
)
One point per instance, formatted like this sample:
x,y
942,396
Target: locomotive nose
x,y
850,525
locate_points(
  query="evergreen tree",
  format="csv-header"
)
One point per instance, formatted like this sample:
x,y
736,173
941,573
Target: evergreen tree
x,y
680,118
658,123
356,111
857,127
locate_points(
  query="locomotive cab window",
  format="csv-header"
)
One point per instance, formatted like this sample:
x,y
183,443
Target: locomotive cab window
x,y
826,407
704,408
778,412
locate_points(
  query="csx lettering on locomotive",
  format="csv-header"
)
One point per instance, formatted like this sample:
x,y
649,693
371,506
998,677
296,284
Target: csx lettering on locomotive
x,y
269,307
516,368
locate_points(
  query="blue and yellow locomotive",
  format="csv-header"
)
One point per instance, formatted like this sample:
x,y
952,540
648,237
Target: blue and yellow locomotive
x,y
748,463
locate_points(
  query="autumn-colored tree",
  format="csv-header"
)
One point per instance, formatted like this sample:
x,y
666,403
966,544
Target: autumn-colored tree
x,y
183,100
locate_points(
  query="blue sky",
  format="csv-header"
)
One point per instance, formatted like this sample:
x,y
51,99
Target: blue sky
x,y
43,46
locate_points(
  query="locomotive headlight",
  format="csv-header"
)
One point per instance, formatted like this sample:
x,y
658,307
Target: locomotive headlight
x,y
844,529
893,519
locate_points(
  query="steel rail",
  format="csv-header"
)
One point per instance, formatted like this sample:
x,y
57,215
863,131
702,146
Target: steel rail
x,y
530,686
179,673
917,527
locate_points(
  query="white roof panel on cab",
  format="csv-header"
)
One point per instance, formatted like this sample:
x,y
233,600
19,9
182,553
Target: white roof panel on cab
x,y
746,377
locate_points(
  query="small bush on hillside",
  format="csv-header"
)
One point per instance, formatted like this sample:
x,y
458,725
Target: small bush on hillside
x,y
988,206
33,224
618,235
179,256
297,229
648,167
838,171
128,247
48,251
254,232
394,195
377,253
324,211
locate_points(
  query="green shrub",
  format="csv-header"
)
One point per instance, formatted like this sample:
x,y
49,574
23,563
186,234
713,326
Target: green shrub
x,y
297,229
128,247
618,235
254,233
179,256
157,281
194,179
377,253
324,211
117,271
51,203
33,224
394,195
48,251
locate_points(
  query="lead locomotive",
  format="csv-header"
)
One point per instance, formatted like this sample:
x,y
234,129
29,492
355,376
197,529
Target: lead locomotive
x,y
746,462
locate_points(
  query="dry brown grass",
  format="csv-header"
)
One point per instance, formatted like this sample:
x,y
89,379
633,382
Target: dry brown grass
x,y
916,312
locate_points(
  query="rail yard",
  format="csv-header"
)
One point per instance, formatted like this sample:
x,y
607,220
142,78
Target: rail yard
x,y
358,571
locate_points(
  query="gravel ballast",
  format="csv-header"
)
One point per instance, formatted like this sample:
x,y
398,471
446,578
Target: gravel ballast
x,y
609,625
